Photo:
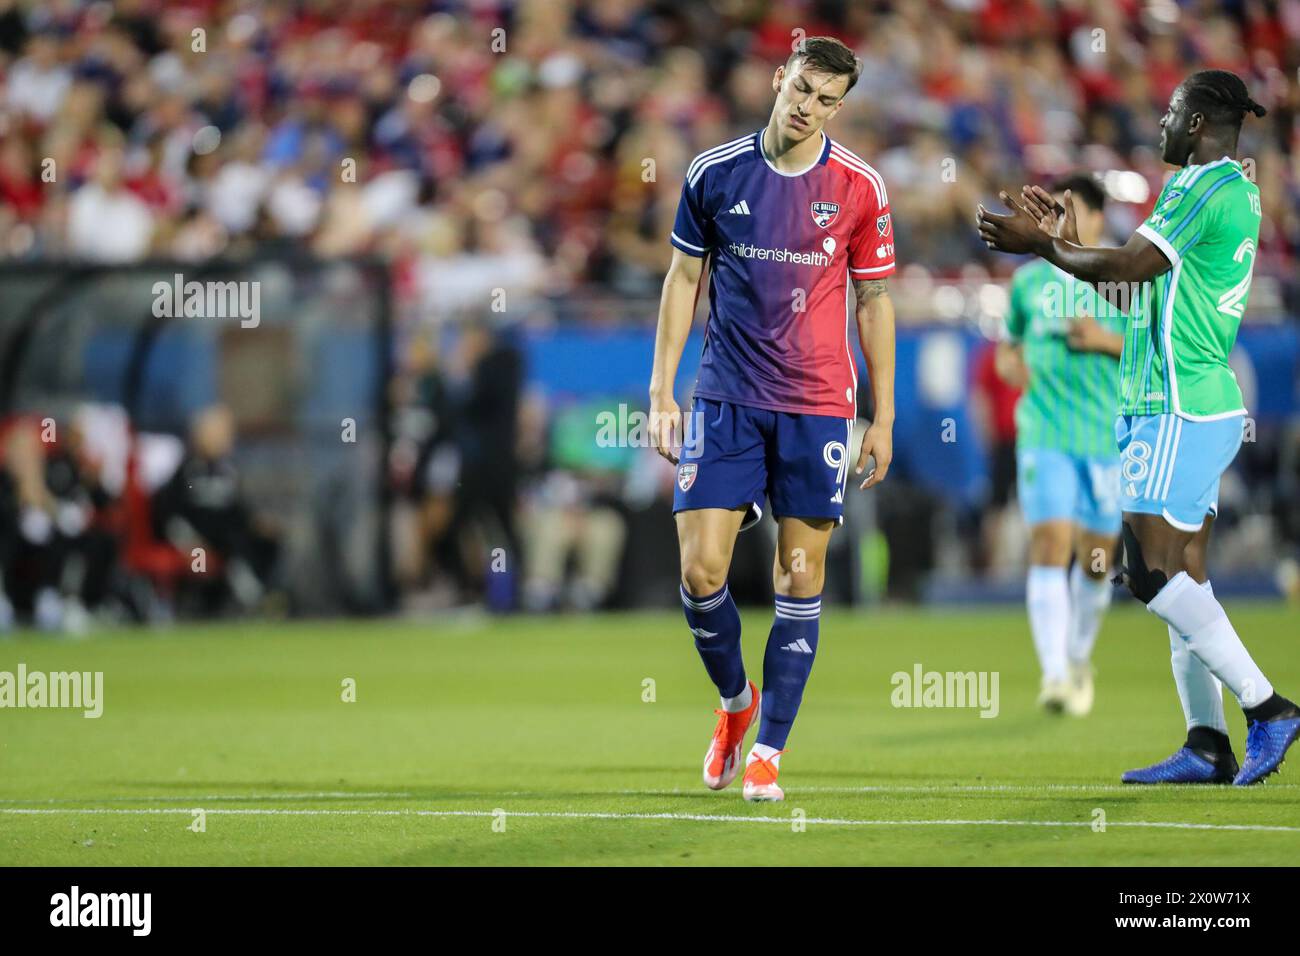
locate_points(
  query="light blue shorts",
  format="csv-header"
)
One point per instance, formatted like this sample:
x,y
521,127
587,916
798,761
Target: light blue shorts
x,y
1055,486
1171,466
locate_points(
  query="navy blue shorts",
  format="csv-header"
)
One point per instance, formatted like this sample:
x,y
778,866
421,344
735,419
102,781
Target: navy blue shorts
x,y
734,455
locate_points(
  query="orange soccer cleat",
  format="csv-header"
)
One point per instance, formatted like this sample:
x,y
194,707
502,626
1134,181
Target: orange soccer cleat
x,y
722,761
760,780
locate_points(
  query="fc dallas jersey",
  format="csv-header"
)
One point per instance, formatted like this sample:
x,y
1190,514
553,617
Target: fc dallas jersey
x,y
781,249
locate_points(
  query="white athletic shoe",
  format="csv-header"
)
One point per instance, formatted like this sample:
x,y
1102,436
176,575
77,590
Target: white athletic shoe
x,y
1079,701
1053,695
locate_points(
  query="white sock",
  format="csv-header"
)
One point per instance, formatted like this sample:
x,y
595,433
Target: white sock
x,y
1194,613
1199,691
766,753
1089,599
1047,596
734,705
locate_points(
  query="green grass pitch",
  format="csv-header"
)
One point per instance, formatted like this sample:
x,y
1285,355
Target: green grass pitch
x,y
456,719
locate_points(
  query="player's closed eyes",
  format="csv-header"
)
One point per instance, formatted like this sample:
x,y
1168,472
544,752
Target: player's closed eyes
x,y
805,88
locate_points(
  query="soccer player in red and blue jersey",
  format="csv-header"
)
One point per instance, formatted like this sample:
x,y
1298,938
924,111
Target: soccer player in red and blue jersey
x,y
785,218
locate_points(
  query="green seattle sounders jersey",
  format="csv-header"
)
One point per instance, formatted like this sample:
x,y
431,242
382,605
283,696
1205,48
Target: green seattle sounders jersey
x,y
1070,403
1175,359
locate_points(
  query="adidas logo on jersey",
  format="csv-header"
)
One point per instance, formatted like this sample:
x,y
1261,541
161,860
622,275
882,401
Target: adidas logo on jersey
x,y
740,209
799,647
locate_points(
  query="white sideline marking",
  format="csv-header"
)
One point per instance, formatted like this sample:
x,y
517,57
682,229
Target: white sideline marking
x,y
286,795
989,788
674,792
692,817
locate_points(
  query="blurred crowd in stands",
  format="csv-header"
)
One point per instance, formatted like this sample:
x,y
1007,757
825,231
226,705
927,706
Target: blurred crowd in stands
x,y
484,145
513,162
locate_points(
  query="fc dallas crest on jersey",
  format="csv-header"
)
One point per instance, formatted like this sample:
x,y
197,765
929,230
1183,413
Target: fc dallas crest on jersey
x,y
824,213
686,476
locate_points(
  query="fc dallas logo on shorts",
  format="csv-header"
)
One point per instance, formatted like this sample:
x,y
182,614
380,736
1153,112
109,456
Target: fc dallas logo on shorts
x,y
686,476
824,213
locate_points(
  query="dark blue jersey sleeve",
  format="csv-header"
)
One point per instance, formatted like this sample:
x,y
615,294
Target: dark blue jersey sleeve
x,y
693,229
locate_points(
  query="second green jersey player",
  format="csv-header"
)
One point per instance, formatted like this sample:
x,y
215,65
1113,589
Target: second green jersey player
x,y
1180,421
1062,348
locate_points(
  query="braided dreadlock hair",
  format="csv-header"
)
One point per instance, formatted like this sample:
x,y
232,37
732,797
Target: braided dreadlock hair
x,y
1221,96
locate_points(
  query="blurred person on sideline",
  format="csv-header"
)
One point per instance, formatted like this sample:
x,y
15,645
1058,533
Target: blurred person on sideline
x,y
55,558
486,384
993,404
203,505
573,512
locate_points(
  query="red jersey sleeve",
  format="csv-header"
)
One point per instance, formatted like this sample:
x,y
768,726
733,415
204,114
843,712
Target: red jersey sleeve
x,y
871,248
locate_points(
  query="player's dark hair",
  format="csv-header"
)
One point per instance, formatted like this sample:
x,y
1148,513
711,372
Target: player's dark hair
x,y
1221,96
1084,186
828,55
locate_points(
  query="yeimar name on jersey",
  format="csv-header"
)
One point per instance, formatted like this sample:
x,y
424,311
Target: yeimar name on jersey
x,y
1175,358
781,249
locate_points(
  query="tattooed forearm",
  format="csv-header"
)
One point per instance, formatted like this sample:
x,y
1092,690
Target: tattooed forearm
x,y
869,288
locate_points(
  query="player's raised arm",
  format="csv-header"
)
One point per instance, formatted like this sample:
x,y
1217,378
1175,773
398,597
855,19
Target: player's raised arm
x,y
676,310
875,315
1020,232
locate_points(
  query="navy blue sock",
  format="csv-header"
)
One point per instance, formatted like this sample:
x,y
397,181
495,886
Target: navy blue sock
x,y
715,622
791,647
